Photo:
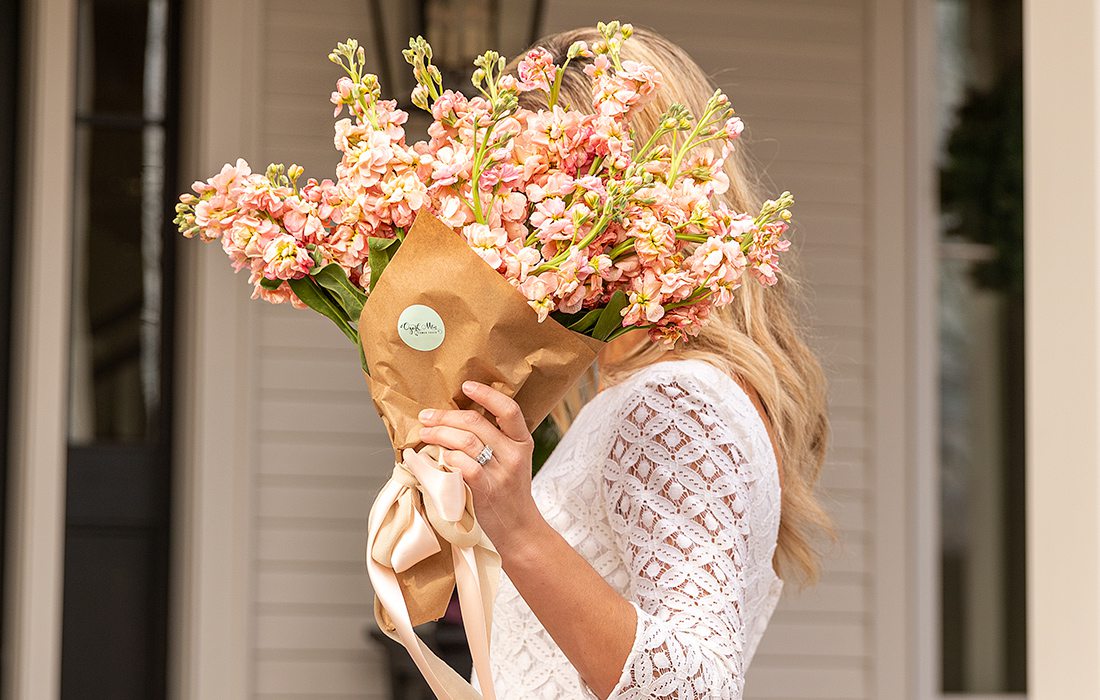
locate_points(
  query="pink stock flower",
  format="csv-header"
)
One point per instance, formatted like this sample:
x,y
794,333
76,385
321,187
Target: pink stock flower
x,y
536,70
487,242
453,211
681,323
653,239
300,219
520,261
404,194
622,91
559,190
599,67
645,301
213,216
763,253
676,284
733,127
246,239
449,164
537,290
556,184
230,177
342,94
282,295
347,246
561,135
285,258
550,220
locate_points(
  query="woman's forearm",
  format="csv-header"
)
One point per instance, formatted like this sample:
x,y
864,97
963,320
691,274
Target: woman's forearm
x,y
592,624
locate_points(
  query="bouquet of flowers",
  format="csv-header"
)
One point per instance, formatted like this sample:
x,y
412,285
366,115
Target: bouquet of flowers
x,y
505,248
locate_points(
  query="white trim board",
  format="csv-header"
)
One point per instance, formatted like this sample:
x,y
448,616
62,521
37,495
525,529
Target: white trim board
x,y
1062,305
890,232
212,605
35,544
924,214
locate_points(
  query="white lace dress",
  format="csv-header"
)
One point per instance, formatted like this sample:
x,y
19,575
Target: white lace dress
x,y
667,484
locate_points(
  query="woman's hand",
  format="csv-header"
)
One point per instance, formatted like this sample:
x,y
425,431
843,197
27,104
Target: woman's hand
x,y
502,487
590,621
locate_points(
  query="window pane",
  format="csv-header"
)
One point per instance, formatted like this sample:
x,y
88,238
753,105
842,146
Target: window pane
x,y
113,60
117,275
981,347
118,488
119,222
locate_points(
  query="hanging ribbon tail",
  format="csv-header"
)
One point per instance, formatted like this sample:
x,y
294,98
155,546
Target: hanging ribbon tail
x,y
422,504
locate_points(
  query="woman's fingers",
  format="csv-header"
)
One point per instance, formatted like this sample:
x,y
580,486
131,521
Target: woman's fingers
x,y
508,414
469,468
469,421
455,439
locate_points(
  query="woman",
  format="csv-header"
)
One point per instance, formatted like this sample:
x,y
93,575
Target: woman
x,y
644,559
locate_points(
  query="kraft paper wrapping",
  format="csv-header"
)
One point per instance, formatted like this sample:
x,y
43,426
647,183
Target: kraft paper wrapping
x,y
476,327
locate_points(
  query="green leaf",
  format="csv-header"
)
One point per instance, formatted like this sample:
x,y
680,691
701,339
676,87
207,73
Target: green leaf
x,y
315,297
333,278
611,316
585,323
379,253
270,284
622,331
567,319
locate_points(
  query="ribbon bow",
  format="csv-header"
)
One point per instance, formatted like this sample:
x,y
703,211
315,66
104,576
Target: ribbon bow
x,y
423,502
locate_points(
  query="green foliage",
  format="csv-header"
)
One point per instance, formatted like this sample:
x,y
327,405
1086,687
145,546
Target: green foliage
x,y
322,301
349,297
982,182
380,252
611,319
546,437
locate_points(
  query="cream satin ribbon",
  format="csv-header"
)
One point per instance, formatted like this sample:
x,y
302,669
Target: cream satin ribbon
x,y
399,537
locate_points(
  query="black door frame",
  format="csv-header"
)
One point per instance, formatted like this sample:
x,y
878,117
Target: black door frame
x,y
123,490
10,48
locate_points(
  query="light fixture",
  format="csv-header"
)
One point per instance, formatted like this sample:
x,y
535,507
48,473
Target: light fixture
x,y
458,30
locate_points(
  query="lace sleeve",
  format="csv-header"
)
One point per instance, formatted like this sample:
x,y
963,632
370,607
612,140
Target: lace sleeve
x,y
675,489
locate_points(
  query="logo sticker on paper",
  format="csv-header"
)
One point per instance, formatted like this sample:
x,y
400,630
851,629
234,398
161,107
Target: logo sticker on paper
x,y
421,328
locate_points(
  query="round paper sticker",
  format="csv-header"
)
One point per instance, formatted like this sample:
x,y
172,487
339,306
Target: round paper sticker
x,y
421,328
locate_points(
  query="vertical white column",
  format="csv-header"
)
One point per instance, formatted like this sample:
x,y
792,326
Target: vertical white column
x,y
891,318
1062,160
36,491
213,588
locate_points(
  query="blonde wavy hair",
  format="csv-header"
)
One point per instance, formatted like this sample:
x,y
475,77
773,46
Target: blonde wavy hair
x,y
756,340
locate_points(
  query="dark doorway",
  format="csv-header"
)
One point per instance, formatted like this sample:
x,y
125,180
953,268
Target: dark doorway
x,y
115,618
9,118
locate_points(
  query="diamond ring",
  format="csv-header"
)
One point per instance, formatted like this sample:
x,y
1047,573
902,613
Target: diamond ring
x,y
484,456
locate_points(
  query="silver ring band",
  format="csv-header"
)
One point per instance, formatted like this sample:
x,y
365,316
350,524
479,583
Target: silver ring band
x,y
484,456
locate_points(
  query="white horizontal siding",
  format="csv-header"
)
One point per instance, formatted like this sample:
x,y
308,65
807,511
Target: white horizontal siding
x,y
796,71
323,453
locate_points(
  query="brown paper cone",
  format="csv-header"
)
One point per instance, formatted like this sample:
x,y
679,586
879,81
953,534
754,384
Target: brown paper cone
x,y
484,331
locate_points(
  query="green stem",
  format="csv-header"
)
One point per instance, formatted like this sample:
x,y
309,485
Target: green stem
x,y
622,248
584,243
556,87
476,171
697,295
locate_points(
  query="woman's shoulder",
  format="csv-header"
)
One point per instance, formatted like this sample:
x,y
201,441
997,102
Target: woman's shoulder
x,y
690,389
687,407
677,385
691,376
